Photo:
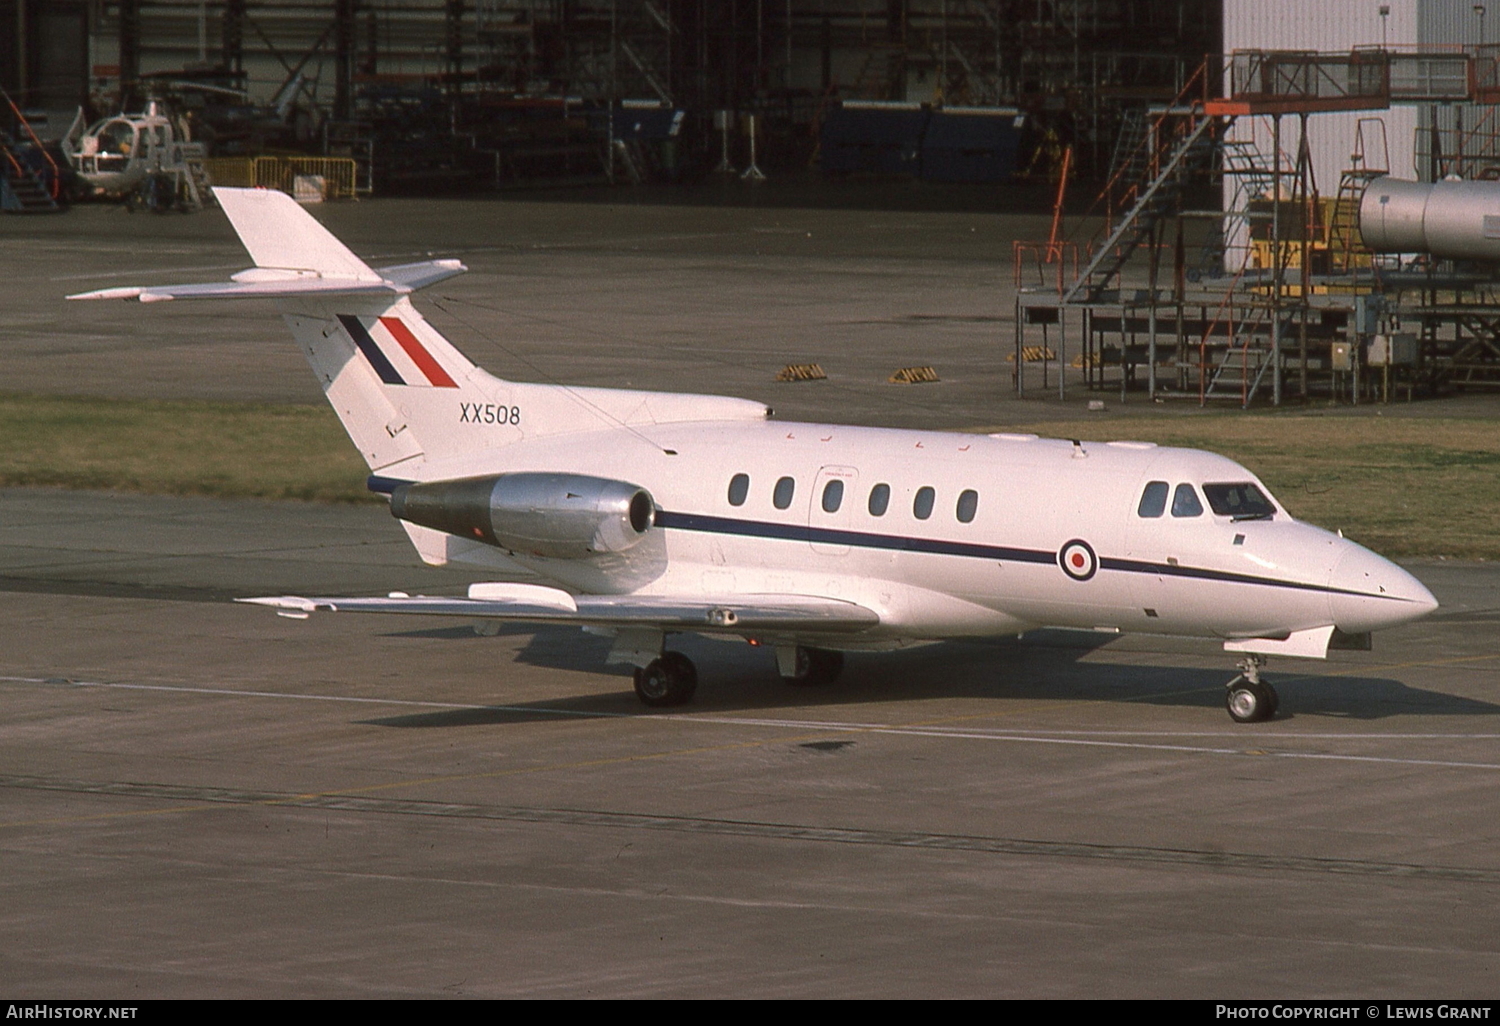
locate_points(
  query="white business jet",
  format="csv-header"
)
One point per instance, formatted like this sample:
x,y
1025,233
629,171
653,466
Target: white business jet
x,y
652,514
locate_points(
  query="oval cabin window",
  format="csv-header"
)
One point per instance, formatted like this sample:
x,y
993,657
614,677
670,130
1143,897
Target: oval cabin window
x,y
781,498
833,496
921,507
968,505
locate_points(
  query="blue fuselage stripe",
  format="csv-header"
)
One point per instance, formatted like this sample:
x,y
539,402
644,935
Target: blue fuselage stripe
x,y
829,536
901,543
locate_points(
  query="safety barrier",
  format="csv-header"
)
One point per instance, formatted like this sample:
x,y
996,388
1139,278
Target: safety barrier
x,y
338,173
234,172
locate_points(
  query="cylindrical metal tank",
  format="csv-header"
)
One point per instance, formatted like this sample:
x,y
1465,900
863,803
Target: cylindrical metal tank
x,y
1458,220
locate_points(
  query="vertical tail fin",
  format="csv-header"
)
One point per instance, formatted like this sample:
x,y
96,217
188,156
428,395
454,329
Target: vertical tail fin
x,y
280,235
390,376
406,396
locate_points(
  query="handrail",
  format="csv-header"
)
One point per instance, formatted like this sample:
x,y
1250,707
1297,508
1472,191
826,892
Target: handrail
x,y
1183,147
1059,253
56,183
13,161
1172,109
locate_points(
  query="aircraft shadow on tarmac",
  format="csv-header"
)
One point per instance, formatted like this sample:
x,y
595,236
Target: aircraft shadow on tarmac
x,y
1044,666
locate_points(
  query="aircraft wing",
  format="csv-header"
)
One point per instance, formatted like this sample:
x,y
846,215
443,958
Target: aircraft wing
x,y
739,614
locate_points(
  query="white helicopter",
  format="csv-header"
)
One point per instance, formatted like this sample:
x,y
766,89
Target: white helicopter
x,y
129,155
653,513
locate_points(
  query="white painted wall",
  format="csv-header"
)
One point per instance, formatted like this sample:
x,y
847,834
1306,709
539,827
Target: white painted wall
x,y
1327,26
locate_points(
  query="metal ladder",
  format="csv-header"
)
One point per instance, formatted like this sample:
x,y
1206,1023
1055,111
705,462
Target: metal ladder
x,y
1159,185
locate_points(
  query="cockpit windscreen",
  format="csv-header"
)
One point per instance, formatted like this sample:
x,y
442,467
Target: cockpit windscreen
x,y
1241,501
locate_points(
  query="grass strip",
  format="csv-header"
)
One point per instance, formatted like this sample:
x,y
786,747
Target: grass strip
x,y
232,450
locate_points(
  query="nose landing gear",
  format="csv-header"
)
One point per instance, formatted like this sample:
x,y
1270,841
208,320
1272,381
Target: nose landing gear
x,y
1248,698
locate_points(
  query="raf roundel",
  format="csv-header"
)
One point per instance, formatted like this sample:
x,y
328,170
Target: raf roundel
x,y
1078,560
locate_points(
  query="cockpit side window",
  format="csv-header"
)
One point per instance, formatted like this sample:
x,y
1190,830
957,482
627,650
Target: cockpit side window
x,y
1185,502
1153,500
1243,501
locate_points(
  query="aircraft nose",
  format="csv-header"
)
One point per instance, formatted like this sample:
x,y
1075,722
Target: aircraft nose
x,y
1369,592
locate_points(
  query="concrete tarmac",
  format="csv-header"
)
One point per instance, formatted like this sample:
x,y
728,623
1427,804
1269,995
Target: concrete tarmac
x,y
203,799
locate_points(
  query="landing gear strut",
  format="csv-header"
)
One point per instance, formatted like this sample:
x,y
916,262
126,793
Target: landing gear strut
x,y
1248,698
670,680
812,666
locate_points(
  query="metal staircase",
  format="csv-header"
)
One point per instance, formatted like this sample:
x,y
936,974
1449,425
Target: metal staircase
x,y
30,180
1149,179
22,190
1249,170
1239,373
974,68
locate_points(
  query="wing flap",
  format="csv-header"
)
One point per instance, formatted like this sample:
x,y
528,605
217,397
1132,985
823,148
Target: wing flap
x,y
740,614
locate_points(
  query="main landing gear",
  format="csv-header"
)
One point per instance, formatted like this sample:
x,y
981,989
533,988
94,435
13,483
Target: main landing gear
x,y
670,680
810,667
1248,698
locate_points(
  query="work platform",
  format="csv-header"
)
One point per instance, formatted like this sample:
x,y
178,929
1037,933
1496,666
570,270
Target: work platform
x,y
1290,305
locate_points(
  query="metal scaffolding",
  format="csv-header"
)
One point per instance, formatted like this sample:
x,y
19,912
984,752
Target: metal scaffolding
x,y
1305,309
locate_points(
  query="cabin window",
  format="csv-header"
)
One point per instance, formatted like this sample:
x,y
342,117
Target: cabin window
x,y
1242,501
782,496
880,500
739,488
1153,500
921,506
833,496
1185,502
968,505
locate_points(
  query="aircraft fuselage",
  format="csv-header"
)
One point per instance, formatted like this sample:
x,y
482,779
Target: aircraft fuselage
x,y
951,535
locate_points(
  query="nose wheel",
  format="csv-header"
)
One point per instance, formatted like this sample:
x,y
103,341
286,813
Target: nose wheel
x,y
1248,698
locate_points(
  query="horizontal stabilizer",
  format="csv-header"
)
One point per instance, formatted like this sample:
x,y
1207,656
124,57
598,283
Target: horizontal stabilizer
x,y
247,290
419,276
261,284
295,257
743,614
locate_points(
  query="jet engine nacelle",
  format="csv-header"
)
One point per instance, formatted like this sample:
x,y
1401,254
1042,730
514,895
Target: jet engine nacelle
x,y
563,516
